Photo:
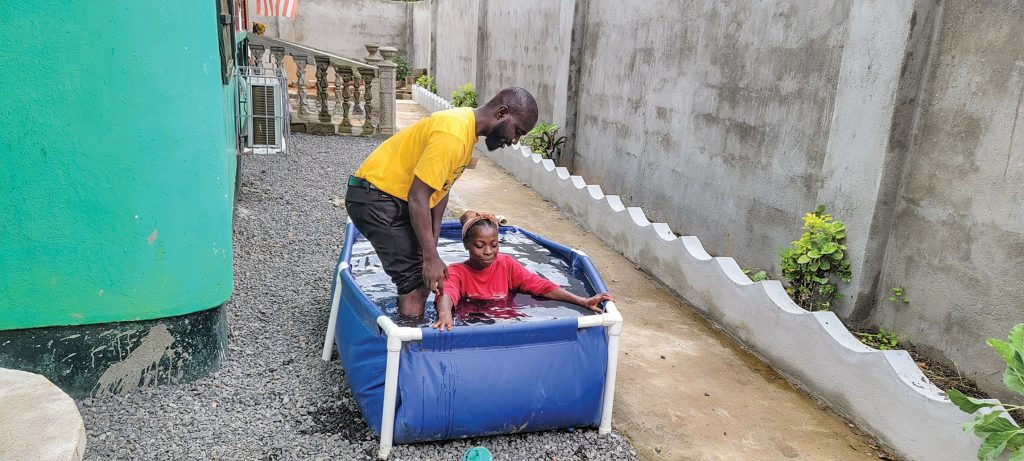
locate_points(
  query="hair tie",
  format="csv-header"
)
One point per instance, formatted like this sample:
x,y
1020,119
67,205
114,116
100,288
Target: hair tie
x,y
471,217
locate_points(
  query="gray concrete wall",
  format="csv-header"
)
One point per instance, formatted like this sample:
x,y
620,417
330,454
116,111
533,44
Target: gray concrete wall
x,y
958,242
344,26
720,109
540,34
456,31
422,30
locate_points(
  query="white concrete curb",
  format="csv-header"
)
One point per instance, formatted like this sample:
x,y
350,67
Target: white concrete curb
x,y
430,101
883,392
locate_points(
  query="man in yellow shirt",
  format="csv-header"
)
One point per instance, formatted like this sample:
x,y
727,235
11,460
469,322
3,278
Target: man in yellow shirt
x,y
397,197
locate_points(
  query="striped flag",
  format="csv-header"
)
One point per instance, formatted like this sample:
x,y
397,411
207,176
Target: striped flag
x,y
284,8
241,16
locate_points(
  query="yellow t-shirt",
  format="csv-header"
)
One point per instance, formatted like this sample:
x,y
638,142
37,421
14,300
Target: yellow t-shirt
x,y
435,149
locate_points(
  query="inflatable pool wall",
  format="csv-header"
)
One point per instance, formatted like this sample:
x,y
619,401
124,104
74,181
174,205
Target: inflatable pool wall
x,y
418,384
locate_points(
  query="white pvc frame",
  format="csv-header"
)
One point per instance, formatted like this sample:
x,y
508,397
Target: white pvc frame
x,y
396,335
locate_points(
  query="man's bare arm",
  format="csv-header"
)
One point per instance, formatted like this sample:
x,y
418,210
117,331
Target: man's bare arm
x,y
421,215
437,215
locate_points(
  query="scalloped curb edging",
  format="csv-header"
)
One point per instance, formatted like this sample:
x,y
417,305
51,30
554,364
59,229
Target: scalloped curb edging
x,y
883,392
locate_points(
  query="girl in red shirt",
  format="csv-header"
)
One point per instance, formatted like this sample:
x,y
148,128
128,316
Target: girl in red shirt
x,y
489,275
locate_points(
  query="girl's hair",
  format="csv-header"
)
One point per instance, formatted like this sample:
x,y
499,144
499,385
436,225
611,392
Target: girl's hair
x,y
473,220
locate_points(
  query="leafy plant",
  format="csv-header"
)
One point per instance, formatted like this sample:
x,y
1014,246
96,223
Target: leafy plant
x,y
403,68
899,294
998,433
755,274
543,139
427,82
814,261
883,340
464,96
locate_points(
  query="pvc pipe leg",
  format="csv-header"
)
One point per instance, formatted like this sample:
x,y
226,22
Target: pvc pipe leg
x,y
387,421
332,322
609,384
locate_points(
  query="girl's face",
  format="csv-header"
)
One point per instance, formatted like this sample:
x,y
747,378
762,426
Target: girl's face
x,y
482,244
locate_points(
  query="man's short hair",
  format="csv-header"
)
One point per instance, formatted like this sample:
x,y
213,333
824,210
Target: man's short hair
x,y
518,100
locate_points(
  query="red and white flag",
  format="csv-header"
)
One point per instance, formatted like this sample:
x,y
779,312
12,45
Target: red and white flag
x,y
241,16
284,8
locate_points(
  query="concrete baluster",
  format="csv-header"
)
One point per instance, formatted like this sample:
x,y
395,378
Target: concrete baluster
x,y
368,125
342,79
322,63
278,53
301,61
388,69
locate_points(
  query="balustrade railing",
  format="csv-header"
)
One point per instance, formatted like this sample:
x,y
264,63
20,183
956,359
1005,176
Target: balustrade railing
x,y
353,96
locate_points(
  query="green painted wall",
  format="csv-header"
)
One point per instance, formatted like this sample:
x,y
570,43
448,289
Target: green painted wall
x,y
116,162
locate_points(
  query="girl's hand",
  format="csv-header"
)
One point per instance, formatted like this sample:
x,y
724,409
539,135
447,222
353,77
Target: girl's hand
x,y
594,302
444,320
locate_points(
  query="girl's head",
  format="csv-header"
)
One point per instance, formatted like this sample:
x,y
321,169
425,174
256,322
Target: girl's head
x,y
480,237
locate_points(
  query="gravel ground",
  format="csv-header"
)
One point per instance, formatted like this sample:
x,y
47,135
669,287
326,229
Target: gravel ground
x,y
274,398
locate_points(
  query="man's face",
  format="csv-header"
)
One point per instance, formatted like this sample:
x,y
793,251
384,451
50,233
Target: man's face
x,y
507,131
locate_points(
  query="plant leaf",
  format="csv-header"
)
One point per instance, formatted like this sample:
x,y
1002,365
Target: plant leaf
x,y
1003,348
1017,338
1013,377
967,404
994,422
994,444
803,259
1016,443
1017,455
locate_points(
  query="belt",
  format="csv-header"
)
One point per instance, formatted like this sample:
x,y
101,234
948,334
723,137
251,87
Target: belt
x,y
360,182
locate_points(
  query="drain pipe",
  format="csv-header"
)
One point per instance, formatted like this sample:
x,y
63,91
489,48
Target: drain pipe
x,y
332,321
396,335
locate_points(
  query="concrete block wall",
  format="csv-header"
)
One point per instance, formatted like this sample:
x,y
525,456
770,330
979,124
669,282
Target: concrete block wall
x,y
344,26
422,35
731,120
456,28
540,57
957,242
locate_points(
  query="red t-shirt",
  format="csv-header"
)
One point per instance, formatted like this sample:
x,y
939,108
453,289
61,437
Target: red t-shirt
x,y
503,277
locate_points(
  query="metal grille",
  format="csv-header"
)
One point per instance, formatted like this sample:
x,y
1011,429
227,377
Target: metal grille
x,y
263,113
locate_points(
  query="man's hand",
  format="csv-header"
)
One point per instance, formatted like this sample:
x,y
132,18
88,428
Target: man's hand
x,y
435,271
594,302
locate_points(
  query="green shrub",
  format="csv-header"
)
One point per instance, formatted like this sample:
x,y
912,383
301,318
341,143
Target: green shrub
x,y
427,82
883,340
814,261
403,67
543,139
899,294
755,274
464,96
997,432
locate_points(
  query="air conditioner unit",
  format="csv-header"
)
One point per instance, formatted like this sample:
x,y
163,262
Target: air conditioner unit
x,y
263,110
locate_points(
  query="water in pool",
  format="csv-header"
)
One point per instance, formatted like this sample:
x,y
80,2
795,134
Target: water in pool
x,y
370,276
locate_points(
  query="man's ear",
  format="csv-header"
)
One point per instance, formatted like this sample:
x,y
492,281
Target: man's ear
x,y
503,110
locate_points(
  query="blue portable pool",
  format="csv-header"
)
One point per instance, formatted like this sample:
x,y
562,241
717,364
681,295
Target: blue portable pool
x,y
531,367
